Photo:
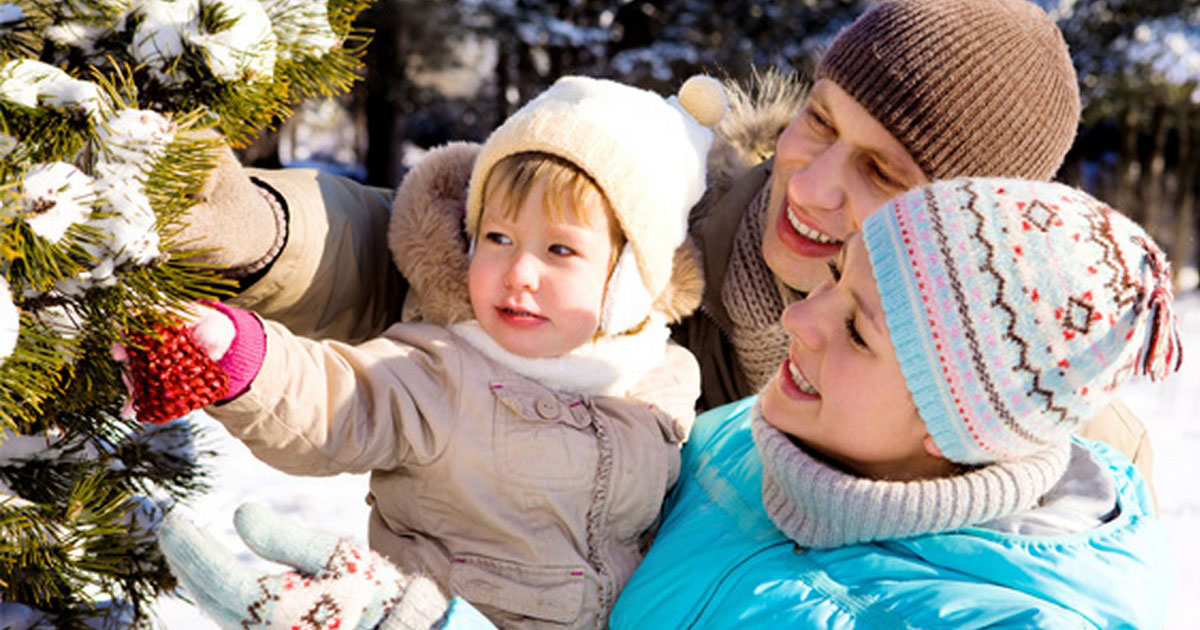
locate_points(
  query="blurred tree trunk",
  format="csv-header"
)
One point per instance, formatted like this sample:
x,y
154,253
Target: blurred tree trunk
x,y
1156,217
385,78
1129,168
1184,246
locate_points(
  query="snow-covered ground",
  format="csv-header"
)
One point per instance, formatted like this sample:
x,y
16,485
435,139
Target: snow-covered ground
x,y
335,504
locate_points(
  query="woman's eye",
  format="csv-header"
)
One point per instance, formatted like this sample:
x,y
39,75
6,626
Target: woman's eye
x,y
561,250
834,271
498,238
853,332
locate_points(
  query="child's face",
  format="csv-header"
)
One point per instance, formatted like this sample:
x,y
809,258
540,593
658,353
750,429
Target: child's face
x,y
536,285
840,392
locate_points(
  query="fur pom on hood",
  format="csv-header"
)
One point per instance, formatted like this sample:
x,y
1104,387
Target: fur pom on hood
x,y
759,110
429,244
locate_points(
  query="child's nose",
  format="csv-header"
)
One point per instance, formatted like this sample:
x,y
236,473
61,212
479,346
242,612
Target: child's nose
x,y
522,273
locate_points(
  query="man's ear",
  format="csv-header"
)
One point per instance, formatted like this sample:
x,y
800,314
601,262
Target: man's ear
x,y
931,447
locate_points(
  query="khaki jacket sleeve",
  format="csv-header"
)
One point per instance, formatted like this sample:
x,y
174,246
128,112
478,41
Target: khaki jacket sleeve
x,y
334,277
1119,427
322,408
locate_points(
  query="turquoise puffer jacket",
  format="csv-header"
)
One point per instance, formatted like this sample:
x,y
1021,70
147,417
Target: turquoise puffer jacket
x,y
719,562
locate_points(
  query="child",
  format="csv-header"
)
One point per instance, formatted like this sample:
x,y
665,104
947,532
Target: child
x,y
520,458
914,463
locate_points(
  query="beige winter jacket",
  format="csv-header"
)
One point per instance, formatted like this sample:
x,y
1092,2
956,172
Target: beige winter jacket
x,y
533,502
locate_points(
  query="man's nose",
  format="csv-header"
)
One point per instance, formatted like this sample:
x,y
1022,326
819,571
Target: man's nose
x,y
820,185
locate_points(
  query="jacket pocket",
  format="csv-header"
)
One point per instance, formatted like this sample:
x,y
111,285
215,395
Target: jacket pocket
x,y
544,439
547,593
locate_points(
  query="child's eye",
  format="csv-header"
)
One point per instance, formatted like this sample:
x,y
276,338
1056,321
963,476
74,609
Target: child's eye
x,y
561,250
498,238
834,271
853,331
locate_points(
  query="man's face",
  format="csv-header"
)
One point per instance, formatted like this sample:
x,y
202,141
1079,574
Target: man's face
x,y
834,165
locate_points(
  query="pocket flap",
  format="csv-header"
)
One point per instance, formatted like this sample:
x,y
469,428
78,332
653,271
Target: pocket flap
x,y
537,403
549,593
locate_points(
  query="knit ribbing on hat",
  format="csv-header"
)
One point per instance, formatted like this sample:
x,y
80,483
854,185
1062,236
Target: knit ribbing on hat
x,y
752,299
1016,309
969,87
819,506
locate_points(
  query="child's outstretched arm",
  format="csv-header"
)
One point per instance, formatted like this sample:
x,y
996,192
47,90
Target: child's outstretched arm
x,y
303,406
330,407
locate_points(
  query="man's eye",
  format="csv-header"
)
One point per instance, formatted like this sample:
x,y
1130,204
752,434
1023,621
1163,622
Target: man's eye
x,y
820,122
882,177
561,250
498,238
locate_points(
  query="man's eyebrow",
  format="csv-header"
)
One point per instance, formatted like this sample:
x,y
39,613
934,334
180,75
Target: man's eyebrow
x,y
896,167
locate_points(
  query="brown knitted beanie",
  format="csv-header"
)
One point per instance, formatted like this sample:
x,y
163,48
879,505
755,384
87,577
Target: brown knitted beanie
x,y
970,87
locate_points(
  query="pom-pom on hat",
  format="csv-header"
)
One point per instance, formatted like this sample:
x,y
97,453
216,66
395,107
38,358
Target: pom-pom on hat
x,y
646,153
1016,309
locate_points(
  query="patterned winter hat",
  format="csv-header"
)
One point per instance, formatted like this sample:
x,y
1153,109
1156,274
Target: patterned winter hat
x,y
648,154
1016,309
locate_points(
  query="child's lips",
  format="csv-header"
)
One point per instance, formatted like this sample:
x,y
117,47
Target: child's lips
x,y
519,317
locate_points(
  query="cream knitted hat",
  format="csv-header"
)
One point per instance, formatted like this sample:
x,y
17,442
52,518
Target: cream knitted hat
x,y
645,152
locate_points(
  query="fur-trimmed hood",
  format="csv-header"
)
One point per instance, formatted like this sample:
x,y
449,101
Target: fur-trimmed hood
x,y
429,245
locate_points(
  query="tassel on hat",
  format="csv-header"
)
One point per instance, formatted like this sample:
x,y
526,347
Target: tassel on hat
x,y
1163,350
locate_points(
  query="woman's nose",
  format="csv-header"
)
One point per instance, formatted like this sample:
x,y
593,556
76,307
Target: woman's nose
x,y
807,320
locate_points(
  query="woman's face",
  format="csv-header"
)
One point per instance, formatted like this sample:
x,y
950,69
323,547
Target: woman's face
x,y
840,391
834,165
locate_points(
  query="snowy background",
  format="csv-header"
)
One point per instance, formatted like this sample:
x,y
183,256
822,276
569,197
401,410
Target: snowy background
x,y
336,504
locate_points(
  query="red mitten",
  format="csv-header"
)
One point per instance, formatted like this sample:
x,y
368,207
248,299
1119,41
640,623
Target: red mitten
x,y
170,374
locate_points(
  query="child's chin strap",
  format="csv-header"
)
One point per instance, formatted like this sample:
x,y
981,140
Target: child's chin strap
x,y
627,302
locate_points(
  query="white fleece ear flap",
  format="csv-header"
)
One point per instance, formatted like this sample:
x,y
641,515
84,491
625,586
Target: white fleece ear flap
x,y
627,302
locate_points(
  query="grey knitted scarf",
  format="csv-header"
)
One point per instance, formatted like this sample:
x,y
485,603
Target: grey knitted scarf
x,y
817,505
754,299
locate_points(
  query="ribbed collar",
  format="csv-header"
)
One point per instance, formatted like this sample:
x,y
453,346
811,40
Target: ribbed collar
x,y
817,505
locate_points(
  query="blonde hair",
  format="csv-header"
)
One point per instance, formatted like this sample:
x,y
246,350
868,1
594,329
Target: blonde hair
x,y
569,192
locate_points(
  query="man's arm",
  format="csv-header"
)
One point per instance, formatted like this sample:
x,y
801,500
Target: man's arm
x,y
1118,426
309,249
